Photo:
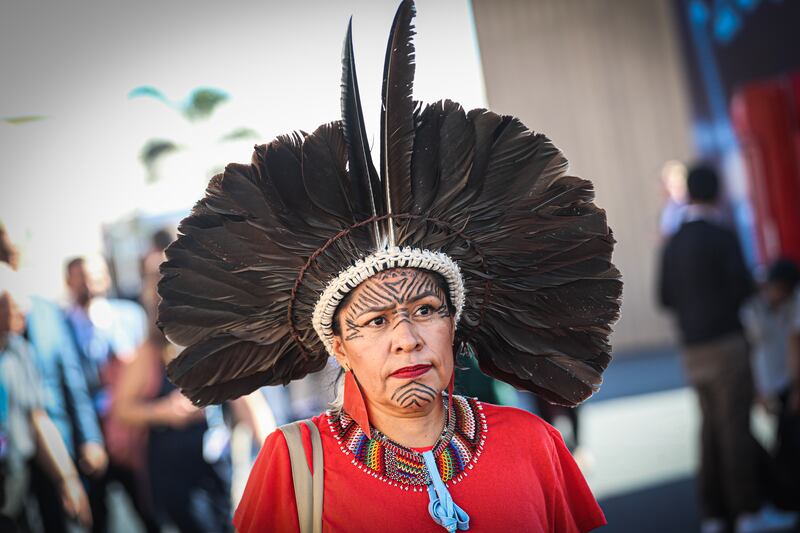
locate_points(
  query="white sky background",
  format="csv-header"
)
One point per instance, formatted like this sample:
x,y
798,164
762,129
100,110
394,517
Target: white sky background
x,y
76,61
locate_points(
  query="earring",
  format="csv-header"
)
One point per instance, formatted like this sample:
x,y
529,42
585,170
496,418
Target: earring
x,y
354,404
450,388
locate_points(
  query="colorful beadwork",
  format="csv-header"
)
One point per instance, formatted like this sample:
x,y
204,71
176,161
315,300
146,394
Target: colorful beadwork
x,y
456,451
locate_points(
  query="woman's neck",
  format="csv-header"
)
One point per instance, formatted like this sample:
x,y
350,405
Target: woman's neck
x,y
413,430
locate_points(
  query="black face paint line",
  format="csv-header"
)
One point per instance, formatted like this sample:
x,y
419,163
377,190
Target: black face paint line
x,y
352,330
413,393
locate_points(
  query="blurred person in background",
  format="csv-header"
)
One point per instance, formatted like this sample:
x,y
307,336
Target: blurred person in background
x,y
27,434
9,253
189,463
768,319
704,282
188,489
150,276
673,182
278,408
107,333
65,395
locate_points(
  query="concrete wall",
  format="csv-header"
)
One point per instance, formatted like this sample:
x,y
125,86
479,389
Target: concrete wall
x,y
604,80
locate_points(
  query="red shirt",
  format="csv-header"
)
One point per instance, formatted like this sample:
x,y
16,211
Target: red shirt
x,y
523,480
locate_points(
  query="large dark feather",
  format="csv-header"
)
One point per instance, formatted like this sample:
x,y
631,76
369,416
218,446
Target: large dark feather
x,y
325,172
456,154
425,158
397,115
364,179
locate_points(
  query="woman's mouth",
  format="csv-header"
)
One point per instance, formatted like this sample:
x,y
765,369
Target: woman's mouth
x,y
408,372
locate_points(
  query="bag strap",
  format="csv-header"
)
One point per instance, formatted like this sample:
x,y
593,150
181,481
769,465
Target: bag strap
x,y
308,488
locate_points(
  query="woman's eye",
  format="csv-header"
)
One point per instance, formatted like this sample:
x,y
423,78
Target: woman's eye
x,y
425,310
377,321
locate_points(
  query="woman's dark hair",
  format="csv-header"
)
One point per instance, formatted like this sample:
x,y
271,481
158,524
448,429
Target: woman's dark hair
x,y
438,278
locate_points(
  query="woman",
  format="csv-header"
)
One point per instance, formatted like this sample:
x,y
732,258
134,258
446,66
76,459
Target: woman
x,y
506,468
471,239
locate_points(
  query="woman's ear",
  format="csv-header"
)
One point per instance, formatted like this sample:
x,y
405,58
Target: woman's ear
x,y
340,353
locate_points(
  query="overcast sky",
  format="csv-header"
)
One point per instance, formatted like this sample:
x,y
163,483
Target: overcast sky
x,y
75,62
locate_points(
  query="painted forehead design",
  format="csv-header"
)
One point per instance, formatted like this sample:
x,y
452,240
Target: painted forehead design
x,y
396,286
388,289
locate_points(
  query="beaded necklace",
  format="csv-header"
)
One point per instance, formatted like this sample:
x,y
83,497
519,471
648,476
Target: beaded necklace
x,y
456,451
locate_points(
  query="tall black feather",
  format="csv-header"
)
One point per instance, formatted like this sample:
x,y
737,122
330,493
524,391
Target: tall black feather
x,y
364,179
397,115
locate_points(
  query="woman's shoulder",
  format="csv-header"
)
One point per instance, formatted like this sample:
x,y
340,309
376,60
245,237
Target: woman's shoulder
x,y
268,501
519,419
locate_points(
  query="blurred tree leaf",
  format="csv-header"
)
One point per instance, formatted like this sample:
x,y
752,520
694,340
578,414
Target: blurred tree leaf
x,y
148,92
240,133
203,101
200,104
153,150
23,119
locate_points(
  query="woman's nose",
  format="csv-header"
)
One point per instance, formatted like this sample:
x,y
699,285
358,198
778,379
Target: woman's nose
x,y
405,337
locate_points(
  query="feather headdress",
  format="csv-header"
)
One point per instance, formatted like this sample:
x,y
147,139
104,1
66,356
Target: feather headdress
x,y
249,286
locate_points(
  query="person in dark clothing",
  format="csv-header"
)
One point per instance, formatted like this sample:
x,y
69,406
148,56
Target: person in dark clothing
x,y
704,279
703,282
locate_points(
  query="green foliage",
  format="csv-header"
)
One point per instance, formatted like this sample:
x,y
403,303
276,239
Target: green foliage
x,y
148,92
152,151
199,105
240,133
202,103
22,119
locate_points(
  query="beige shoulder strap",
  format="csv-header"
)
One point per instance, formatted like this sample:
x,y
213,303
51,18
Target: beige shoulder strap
x,y
308,489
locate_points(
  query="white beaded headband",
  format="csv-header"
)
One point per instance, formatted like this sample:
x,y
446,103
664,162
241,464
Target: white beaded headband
x,y
363,269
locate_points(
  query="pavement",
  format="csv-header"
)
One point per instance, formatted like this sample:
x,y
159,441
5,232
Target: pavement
x,y
641,432
642,435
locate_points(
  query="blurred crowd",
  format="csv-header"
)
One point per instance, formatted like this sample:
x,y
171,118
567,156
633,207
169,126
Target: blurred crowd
x,y
740,342
86,410
87,413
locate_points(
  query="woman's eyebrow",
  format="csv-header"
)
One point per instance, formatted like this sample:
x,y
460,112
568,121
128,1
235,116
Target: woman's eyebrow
x,y
375,309
383,308
420,296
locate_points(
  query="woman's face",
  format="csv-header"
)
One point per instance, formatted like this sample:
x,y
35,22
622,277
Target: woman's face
x,y
397,337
